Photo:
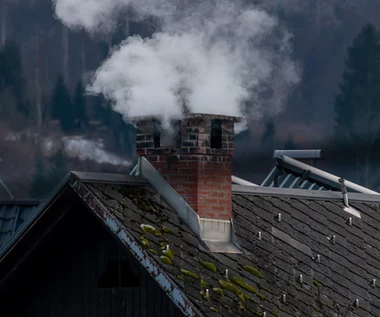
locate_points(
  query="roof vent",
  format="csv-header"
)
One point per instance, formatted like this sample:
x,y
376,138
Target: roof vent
x,y
347,207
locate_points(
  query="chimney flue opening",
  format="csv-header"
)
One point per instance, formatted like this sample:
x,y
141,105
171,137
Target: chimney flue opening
x,y
216,134
195,158
166,137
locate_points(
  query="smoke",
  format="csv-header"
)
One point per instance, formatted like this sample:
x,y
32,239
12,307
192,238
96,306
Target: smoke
x,y
212,56
91,150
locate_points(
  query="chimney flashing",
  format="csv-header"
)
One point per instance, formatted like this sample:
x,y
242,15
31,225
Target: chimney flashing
x,y
215,235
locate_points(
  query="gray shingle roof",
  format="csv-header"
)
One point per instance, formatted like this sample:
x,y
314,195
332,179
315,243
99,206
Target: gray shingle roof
x,y
13,214
295,268
271,266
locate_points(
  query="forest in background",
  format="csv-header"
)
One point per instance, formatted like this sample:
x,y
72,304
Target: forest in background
x,y
44,68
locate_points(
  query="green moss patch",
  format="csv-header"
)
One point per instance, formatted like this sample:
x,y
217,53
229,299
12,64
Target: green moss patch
x,y
167,230
253,271
190,274
150,229
144,242
247,287
230,287
153,251
208,265
214,309
166,260
218,291
169,253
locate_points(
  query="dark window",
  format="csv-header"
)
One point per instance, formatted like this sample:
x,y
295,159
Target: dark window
x,y
216,134
118,274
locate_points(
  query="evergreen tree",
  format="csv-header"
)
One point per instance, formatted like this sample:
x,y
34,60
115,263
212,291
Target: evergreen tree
x,y
39,188
11,74
289,144
59,168
269,135
357,105
79,104
12,85
101,108
61,106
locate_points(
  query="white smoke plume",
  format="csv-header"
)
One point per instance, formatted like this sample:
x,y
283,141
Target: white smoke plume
x,y
77,147
214,56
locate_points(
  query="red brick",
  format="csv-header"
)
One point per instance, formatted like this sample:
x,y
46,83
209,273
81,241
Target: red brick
x,y
200,174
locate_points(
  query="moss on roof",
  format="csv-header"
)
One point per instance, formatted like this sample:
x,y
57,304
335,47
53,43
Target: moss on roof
x,y
259,278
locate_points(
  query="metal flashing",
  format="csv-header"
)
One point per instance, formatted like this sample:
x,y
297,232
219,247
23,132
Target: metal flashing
x,y
322,176
108,178
240,181
117,228
299,154
216,235
290,173
301,193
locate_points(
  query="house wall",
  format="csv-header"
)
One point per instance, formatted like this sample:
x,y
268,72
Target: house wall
x,y
61,277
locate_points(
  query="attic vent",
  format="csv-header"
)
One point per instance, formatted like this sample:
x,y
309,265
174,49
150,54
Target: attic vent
x,y
216,134
118,275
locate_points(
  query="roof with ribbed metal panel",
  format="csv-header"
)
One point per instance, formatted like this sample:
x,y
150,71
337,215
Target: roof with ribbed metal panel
x,y
291,173
13,214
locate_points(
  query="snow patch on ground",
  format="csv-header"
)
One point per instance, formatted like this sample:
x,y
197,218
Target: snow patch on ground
x,y
77,146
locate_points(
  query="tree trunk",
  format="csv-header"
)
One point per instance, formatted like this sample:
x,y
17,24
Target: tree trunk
x,y
4,21
65,44
37,86
83,61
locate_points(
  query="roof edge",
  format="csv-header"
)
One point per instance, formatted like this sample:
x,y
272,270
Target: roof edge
x,y
21,202
302,193
143,257
87,177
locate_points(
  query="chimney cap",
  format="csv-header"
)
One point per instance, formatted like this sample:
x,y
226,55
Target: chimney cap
x,y
189,116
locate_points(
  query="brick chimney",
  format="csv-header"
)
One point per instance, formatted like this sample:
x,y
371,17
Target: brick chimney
x,y
195,158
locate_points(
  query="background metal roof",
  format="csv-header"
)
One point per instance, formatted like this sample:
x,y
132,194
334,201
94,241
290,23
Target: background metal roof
x,y
291,173
13,214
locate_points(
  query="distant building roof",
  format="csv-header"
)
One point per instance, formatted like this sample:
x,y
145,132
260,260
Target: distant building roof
x,y
291,173
13,215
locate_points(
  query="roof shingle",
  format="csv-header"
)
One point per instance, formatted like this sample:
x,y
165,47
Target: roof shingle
x,y
271,266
